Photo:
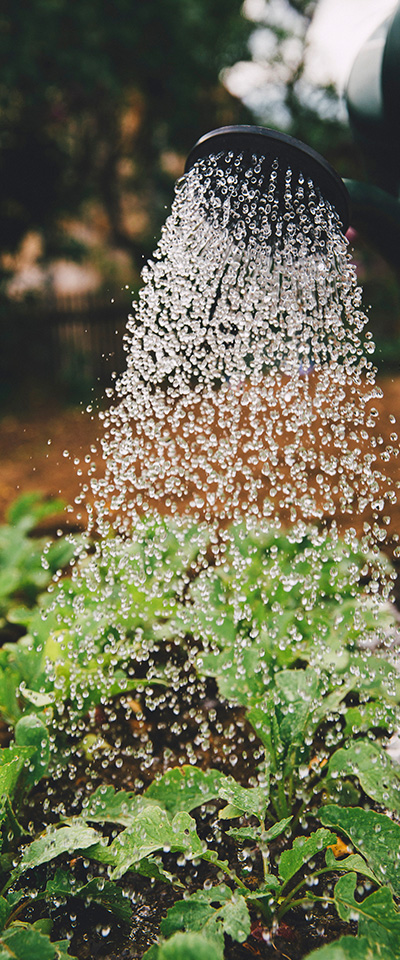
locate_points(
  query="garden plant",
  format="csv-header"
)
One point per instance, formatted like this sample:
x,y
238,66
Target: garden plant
x,y
207,739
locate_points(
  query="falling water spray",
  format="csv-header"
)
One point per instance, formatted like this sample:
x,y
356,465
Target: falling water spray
x,y
248,392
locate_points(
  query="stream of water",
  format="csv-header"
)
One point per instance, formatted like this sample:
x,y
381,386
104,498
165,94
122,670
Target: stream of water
x,y
247,390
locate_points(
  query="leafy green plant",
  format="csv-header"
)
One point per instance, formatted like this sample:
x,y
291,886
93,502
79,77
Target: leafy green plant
x,y
21,766
87,636
280,600
287,630
159,822
27,562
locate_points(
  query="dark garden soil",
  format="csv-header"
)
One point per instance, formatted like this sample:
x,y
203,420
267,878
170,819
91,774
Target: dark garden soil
x,y
40,452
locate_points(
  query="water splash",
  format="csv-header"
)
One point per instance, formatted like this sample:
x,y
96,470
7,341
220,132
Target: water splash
x,y
247,391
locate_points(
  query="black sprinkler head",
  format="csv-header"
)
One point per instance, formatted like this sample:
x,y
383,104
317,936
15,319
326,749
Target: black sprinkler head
x,y
269,145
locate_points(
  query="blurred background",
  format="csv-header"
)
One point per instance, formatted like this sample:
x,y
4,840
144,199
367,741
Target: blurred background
x,y
100,102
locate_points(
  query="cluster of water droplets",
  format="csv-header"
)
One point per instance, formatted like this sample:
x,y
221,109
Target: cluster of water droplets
x,y
247,390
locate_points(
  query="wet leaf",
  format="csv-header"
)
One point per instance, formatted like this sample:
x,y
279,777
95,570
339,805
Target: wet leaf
x,y
188,946
5,910
14,767
373,768
55,841
242,834
37,699
353,862
288,716
200,912
241,671
375,835
153,830
250,800
368,715
62,950
257,834
151,867
351,948
11,765
378,916
98,890
106,805
30,731
185,788
22,942
270,883
302,850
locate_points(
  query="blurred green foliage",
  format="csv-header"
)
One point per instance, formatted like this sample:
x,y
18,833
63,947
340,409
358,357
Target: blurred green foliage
x,y
82,85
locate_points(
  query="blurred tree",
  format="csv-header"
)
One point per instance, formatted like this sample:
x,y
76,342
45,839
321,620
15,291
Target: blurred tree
x,y
283,96
95,95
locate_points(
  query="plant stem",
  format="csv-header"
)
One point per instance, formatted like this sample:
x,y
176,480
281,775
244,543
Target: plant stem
x,y
224,867
264,851
311,876
283,805
295,903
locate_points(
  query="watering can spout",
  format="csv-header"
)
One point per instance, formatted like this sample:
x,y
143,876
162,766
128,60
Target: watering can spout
x,y
266,145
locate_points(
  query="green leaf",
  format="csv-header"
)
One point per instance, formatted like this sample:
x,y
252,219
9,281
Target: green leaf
x,y
30,508
242,834
302,850
55,841
153,830
10,826
361,718
37,699
97,890
270,883
185,788
250,800
351,863
188,914
230,812
198,913
188,946
375,835
373,768
151,867
258,835
106,805
152,953
351,948
13,761
30,731
298,694
241,670
277,829
378,916
5,910
62,947
9,701
22,942
291,711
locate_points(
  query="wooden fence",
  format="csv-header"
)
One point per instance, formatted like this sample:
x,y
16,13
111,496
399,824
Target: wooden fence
x,y
86,337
